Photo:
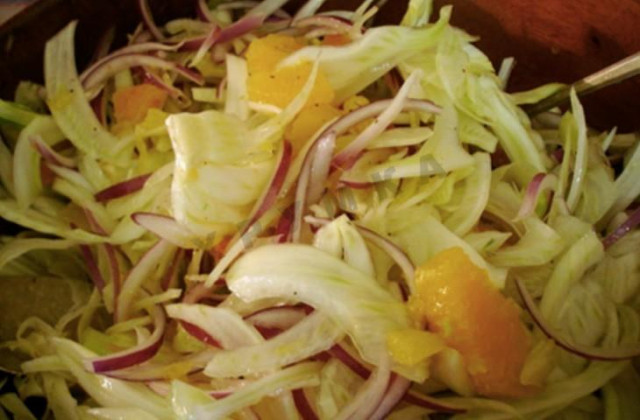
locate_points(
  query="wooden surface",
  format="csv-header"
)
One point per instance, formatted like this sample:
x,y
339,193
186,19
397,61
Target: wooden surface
x,y
552,40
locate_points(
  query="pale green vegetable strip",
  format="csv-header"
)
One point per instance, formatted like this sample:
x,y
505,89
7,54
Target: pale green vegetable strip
x,y
353,67
539,245
43,223
237,101
12,403
313,335
160,252
298,376
60,401
20,246
67,101
366,311
224,325
15,113
586,252
476,196
580,166
26,159
109,392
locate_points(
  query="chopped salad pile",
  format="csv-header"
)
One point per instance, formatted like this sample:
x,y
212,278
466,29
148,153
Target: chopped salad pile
x,y
260,215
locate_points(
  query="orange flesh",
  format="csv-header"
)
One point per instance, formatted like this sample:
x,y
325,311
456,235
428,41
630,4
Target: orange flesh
x,y
131,104
459,302
268,84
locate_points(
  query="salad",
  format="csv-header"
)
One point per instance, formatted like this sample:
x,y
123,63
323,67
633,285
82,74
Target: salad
x,y
263,215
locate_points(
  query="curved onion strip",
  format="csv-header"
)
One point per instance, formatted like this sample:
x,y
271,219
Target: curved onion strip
x,y
430,403
270,193
150,371
328,22
166,228
147,18
398,387
122,189
231,32
138,274
51,156
313,174
350,361
244,242
370,395
140,48
209,41
116,63
200,334
304,407
203,12
308,184
178,95
135,355
281,318
195,295
587,352
539,184
632,221
171,275
347,156
92,267
110,250
394,251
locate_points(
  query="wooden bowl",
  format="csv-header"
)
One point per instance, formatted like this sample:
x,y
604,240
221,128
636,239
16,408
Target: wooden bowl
x,y
551,40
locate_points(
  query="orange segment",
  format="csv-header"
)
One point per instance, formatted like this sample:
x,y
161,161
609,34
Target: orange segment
x,y
131,104
460,303
308,122
278,87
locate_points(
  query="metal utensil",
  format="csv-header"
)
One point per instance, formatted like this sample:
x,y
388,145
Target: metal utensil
x,y
615,73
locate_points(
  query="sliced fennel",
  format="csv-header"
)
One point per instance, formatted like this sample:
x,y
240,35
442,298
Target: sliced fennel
x,y
365,310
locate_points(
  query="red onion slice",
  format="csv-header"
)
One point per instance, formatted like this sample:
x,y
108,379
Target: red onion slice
x,y
539,184
323,21
51,156
632,221
110,251
171,275
347,156
178,95
231,32
147,18
349,360
430,403
122,189
370,395
270,194
200,334
398,387
114,64
135,355
387,245
166,228
303,405
92,267
311,183
203,12
145,266
281,318
151,371
138,48
587,352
